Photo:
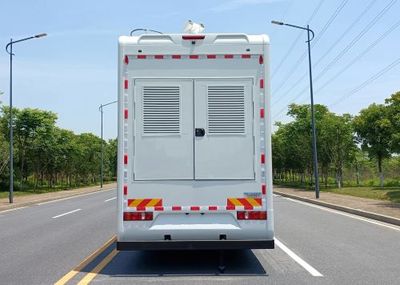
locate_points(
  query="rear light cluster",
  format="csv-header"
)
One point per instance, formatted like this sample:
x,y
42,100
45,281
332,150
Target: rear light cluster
x,y
193,37
251,215
138,216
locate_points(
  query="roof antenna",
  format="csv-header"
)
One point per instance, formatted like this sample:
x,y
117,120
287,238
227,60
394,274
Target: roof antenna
x,y
144,30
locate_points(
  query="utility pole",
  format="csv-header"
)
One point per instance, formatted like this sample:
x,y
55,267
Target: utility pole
x,y
314,134
10,52
102,141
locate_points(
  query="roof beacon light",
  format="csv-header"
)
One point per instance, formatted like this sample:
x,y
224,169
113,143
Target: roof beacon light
x,y
193,28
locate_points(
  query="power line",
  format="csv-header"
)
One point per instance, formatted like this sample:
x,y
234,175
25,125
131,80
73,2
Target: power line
x,y
349,28
357,38
357,58
368,81
291,48
331,48
348,47
315,41
317,38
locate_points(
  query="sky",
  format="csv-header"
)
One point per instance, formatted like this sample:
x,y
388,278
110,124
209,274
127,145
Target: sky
x,y
73,70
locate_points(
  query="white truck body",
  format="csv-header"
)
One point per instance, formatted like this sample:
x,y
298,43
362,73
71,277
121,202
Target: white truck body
x,y
194,142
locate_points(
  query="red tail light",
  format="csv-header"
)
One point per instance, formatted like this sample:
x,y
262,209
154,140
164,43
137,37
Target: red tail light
x,y
251,215
138,216
193,37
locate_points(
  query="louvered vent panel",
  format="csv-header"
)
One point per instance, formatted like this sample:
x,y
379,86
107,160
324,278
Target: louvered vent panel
x,y
161,110
226,113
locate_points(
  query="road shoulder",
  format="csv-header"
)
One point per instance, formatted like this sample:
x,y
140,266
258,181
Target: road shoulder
x,y
27,200
383,211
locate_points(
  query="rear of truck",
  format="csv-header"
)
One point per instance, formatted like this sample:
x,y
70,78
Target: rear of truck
x,y
194,142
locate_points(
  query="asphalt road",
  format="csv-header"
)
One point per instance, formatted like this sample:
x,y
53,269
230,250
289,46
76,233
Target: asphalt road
x,y
42,243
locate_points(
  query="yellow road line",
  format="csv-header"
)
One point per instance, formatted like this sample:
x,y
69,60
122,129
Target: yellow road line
x,y
91,275
85,262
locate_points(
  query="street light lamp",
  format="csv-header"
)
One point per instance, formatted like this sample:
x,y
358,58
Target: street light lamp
x,y
102,143
314,135
10,52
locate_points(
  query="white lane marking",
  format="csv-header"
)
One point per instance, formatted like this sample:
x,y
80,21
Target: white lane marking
x,y
76,196
113,198
13,209
345,214
314,272
67,213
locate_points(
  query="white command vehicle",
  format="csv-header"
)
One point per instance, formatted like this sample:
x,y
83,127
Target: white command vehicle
x,y
194,142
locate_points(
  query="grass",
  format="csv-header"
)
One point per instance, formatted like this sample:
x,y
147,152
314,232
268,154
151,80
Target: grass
x,y
372,192
385,193
31,191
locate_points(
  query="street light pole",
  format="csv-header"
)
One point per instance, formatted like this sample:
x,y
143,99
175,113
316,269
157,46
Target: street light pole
x,y
314,134
102,141
10,52
11,193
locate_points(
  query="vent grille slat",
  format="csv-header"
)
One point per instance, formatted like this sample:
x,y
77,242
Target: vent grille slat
x,y
226,112
161,110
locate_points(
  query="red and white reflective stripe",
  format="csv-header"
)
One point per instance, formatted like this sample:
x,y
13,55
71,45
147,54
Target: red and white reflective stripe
x,y
192,56
124,109
263,189
187,209
262,126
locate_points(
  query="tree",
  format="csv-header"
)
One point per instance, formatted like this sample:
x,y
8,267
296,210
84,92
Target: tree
x,y
28,124
111,158
48,156
393,107
374,132
4,152
337,142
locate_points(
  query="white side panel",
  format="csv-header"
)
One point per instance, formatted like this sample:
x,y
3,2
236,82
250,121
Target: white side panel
x,y
163,137
224,109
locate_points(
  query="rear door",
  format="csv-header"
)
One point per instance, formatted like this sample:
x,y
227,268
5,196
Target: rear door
x,y
163,135
223,120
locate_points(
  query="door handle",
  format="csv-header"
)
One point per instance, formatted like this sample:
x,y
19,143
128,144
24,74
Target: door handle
x,y
199,132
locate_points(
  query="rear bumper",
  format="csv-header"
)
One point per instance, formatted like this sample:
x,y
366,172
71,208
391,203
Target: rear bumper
x,y
193,245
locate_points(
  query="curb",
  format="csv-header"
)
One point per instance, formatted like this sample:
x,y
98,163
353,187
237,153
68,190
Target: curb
x,y
365,214
30,203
